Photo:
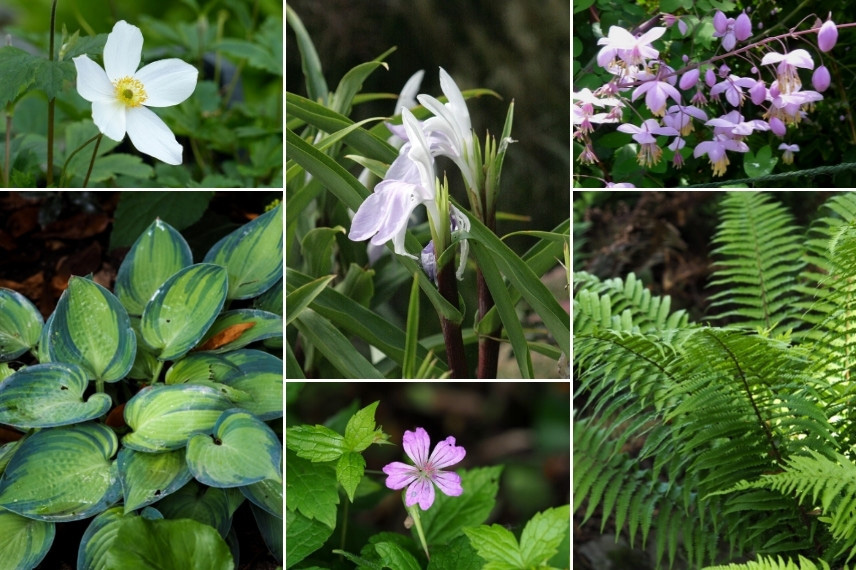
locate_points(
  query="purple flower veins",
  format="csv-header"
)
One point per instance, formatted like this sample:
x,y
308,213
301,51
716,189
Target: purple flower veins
x,y
427,471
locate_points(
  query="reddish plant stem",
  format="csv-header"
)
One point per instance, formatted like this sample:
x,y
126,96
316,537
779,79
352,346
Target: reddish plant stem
x,y
447,283
488,345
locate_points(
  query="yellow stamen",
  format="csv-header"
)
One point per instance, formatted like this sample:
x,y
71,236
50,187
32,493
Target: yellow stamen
x,y
130,92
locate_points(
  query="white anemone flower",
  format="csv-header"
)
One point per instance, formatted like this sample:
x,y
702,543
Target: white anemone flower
x,y
121,94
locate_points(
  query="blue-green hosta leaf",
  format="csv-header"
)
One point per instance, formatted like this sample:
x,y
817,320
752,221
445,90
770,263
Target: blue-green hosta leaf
x,y
20,325
158,254
142,543
266,494
211,505
149,477
237,328
200,366
98,537
259,375
182,310
62,474
48,395
90,327
271,529
252,255
164,417
23,541
241,451
270,300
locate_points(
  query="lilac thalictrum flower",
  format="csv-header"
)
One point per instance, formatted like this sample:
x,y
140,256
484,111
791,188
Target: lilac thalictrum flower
x,y
656,93
788,155
630,49
121,94
733,87
620,185
734,126
410,181
730,30
715,151
827,36
649,152
786,71
426,471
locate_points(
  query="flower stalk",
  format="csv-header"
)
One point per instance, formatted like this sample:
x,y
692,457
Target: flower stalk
x,y
413,511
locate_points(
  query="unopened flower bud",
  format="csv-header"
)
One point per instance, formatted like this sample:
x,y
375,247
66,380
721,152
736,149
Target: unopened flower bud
x,y
689,79
710,78
720,22
778,127
820,79
724,70
685,58
758,92
827,36
742,27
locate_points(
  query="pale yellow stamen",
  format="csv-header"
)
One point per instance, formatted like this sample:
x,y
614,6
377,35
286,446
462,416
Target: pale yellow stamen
x,y
130,92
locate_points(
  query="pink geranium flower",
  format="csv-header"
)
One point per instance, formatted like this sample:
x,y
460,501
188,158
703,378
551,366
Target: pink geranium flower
x,y
427,471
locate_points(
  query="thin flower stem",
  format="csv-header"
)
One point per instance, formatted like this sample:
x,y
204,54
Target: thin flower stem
x,y
447,283
51,102
417,522
92,162
67,160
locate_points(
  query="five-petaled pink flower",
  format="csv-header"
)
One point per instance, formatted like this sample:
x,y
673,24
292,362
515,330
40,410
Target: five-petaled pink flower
x,y
427,471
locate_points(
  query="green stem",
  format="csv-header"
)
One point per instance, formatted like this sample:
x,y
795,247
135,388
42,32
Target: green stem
x,y
158,369
67,160
51,101
92,162
417,521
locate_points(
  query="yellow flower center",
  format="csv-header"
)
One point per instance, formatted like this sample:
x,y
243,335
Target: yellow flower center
x,y
130,92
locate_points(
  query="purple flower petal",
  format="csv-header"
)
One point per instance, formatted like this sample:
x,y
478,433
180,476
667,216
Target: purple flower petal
x,y
399,474
416,445
449,483
446,453
422,492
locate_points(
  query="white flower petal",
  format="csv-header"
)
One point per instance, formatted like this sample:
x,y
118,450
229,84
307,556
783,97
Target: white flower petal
x,y
123,50
92,83
110,118
456,103
167,82
151,136
407,97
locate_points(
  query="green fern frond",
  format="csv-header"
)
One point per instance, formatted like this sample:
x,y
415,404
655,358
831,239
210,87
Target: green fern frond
x,y
758,260
770,563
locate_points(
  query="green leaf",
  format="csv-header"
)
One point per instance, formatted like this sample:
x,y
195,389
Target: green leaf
x,y
20,324
582,5
98,537
136,210
48,395
237,328
449,515
207,505
51,76
458,554
411,338
300,298
497,546
24,542
352,83
34,486
16,69
117,164
252,255
267,494
394,556
200,366
761,164
270,300
91,328
241,450
335,346
349,472
182,309
316,87
270,527
543,534
164,417
315,443
317,249
360,431
149,477
158,254
311,489
303,536
257,55
142,544
258,374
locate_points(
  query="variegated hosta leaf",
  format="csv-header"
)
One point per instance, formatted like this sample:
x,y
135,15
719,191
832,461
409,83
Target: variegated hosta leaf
x,y
149,477
242,450
98,537
20,325
267,494
199,366
237,328
158,254
48,395
90,327
183,309
23,541
62,474
211,506
260,375
271,530
164,417
252,255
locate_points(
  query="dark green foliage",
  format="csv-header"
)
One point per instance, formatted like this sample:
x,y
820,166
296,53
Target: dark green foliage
x,y
718,442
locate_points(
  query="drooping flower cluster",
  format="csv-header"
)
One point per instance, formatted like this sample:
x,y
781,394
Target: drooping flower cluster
x,y
731,104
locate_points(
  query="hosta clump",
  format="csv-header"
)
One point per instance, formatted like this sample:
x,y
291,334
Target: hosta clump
x,y
147,409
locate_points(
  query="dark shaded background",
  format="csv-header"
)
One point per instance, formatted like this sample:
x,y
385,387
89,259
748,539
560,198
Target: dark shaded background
x,y
517,48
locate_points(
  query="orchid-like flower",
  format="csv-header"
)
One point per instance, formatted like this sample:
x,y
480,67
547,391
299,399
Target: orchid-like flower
x,y
121,94
426,471
410,181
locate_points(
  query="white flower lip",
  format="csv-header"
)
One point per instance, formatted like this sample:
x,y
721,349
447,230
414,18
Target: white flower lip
x,y
120,93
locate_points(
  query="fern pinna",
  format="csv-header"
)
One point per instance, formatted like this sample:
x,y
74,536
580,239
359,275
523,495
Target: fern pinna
x,y
733,438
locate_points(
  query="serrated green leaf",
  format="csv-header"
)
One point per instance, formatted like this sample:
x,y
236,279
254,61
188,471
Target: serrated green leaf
x,y
87,483
16,69
303,536
164,417
20,324
91,328
24,542
543,534
349,471
51,76
360,431
252,255
449,515
394,556
241,450
149,477
496,545
315,443
159,253
136,210
458,554
49,395
117,164
183,309
311,489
